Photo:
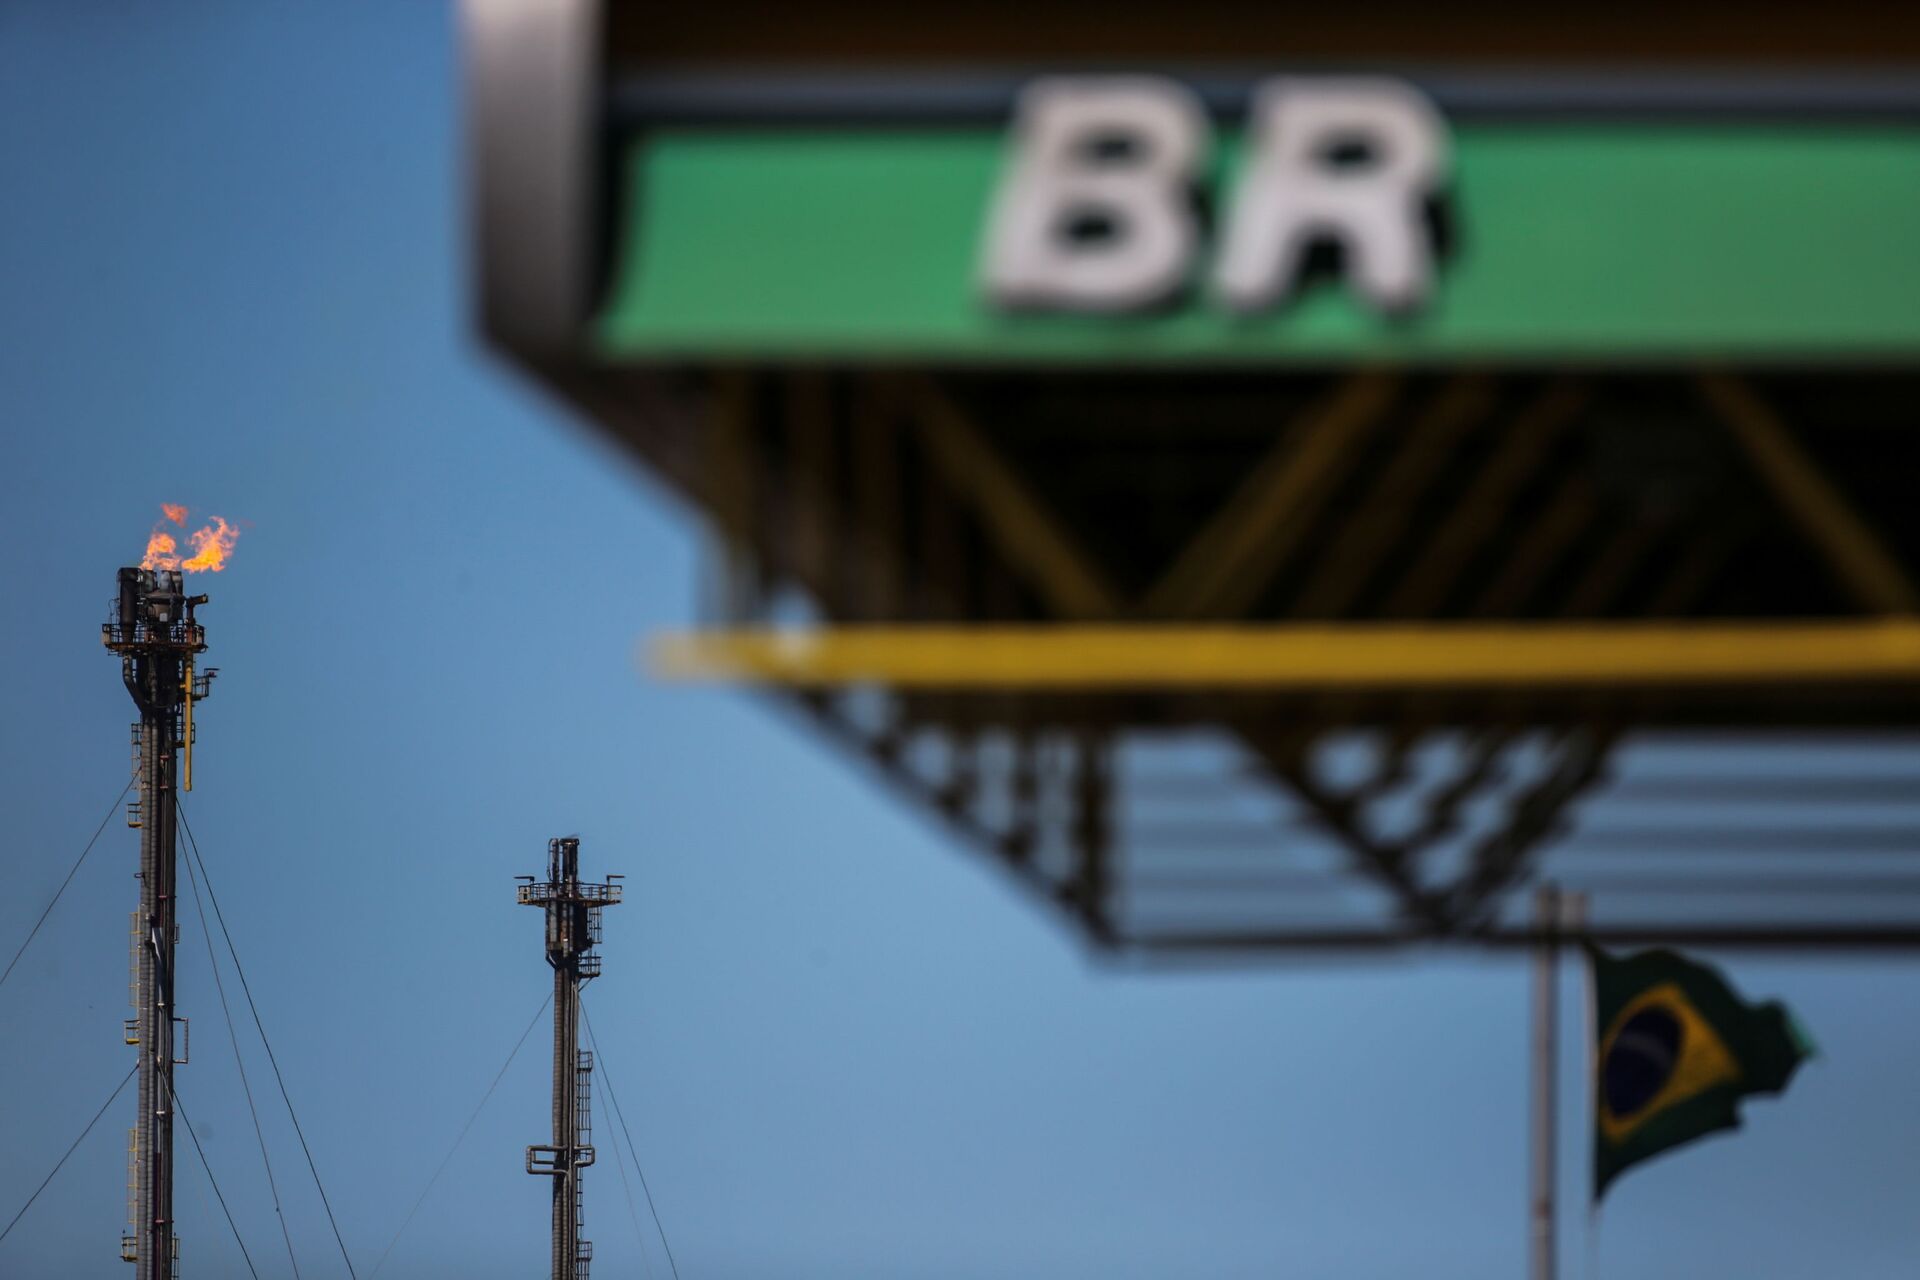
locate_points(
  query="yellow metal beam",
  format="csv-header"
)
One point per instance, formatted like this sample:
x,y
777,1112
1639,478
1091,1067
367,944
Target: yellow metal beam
x,y
1302,656
1425,442
1533,555
1478,513
1026,532
1230,561
1872,573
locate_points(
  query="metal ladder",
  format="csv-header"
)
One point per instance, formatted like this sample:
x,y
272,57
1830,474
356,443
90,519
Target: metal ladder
x,y
136,806
583,1147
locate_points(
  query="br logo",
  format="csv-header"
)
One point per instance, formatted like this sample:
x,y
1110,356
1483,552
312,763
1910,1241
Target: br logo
x,y
1097,210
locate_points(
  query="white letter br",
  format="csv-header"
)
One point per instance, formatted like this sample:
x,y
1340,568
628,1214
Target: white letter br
x,y
1353,161
1094,211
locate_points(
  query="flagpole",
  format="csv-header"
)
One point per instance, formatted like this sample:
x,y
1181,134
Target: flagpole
x,y
1573,916
1541,1242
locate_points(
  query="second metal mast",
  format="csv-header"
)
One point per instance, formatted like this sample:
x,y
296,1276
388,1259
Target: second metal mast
x,y
573,930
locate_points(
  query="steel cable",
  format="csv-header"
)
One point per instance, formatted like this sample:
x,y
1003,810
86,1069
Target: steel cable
x,y
633,1214
212,1181
631,1149
273,1186
71,872
272,1061
444,1160
70,1150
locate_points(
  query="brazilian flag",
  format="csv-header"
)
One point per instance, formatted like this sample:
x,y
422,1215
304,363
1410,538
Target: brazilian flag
x,y
1677,1049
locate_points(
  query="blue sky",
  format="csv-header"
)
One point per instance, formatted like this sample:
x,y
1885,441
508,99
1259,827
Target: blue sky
x,y
231,276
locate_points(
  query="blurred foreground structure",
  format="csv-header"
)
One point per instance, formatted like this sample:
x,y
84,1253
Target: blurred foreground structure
x,y
1314,622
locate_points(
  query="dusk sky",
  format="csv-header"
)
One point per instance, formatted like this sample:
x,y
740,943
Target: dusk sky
x,y
232,275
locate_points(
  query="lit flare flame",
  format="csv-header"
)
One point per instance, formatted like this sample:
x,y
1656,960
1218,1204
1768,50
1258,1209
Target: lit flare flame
x,y
212,545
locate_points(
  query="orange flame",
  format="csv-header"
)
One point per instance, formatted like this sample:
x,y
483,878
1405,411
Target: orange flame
x,y
211,545
160,555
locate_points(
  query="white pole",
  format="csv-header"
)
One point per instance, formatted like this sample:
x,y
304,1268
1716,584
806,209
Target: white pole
x,y
1542,1245
1573,914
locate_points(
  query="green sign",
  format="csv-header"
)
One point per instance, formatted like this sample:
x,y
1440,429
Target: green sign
x,y
1588,242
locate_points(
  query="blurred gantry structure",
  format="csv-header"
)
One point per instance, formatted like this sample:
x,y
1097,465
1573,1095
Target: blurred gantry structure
x,y
1312,629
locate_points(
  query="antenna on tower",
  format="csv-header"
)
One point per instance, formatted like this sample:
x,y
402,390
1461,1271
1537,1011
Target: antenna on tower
x,y
573,930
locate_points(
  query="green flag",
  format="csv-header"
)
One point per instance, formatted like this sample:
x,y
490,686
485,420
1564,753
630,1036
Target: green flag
x,y
1676,1051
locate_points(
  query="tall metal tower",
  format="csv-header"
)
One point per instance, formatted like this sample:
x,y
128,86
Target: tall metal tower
x,y
152,628
573,930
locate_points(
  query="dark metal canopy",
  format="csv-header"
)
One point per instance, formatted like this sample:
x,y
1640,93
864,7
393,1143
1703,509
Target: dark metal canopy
x,y
1748,496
